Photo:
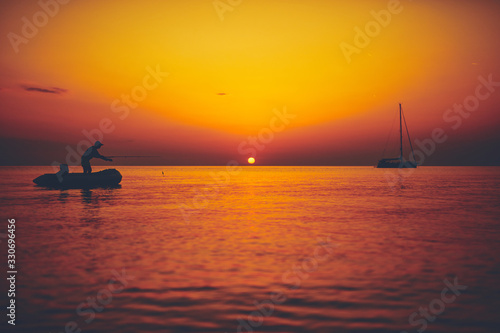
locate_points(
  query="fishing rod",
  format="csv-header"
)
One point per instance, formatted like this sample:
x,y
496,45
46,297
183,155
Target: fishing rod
x,y
125,156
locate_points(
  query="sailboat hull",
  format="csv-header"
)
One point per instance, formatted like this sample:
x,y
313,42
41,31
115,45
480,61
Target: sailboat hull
x,y
396,164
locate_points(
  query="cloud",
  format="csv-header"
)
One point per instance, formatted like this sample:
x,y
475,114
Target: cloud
x,y
51,90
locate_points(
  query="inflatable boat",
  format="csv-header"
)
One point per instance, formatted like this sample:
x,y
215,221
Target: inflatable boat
x,y
104,178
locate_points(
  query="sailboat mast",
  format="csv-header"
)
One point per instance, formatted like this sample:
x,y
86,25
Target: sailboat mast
x,y
400,134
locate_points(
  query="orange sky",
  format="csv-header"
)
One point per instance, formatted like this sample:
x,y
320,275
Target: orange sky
x,y
228,70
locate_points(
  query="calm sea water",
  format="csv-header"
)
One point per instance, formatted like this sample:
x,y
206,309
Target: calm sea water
x,y
271,249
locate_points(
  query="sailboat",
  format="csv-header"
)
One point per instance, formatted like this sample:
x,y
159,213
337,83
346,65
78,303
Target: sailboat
x,y
399,162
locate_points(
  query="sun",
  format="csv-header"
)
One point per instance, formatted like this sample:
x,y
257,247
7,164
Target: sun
x,y
251,160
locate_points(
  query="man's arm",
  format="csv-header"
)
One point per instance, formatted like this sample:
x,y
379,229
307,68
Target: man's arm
x,y
102,157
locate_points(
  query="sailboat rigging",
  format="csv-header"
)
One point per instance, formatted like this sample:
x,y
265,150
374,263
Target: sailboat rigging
x,y
399,162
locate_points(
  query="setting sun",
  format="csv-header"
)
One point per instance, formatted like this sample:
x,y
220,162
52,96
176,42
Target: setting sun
x,y
251,160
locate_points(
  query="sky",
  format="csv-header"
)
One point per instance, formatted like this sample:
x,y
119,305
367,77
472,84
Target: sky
x,y
289,82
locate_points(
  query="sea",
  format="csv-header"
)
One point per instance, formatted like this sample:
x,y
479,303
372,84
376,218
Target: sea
x,y
254,249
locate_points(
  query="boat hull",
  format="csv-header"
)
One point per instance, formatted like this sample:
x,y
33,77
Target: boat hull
x,y
104,178
396,164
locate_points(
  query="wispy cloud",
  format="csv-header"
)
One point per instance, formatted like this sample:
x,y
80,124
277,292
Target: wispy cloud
x,y
51,90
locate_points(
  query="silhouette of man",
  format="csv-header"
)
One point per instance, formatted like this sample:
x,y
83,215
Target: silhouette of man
x,y
91,153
